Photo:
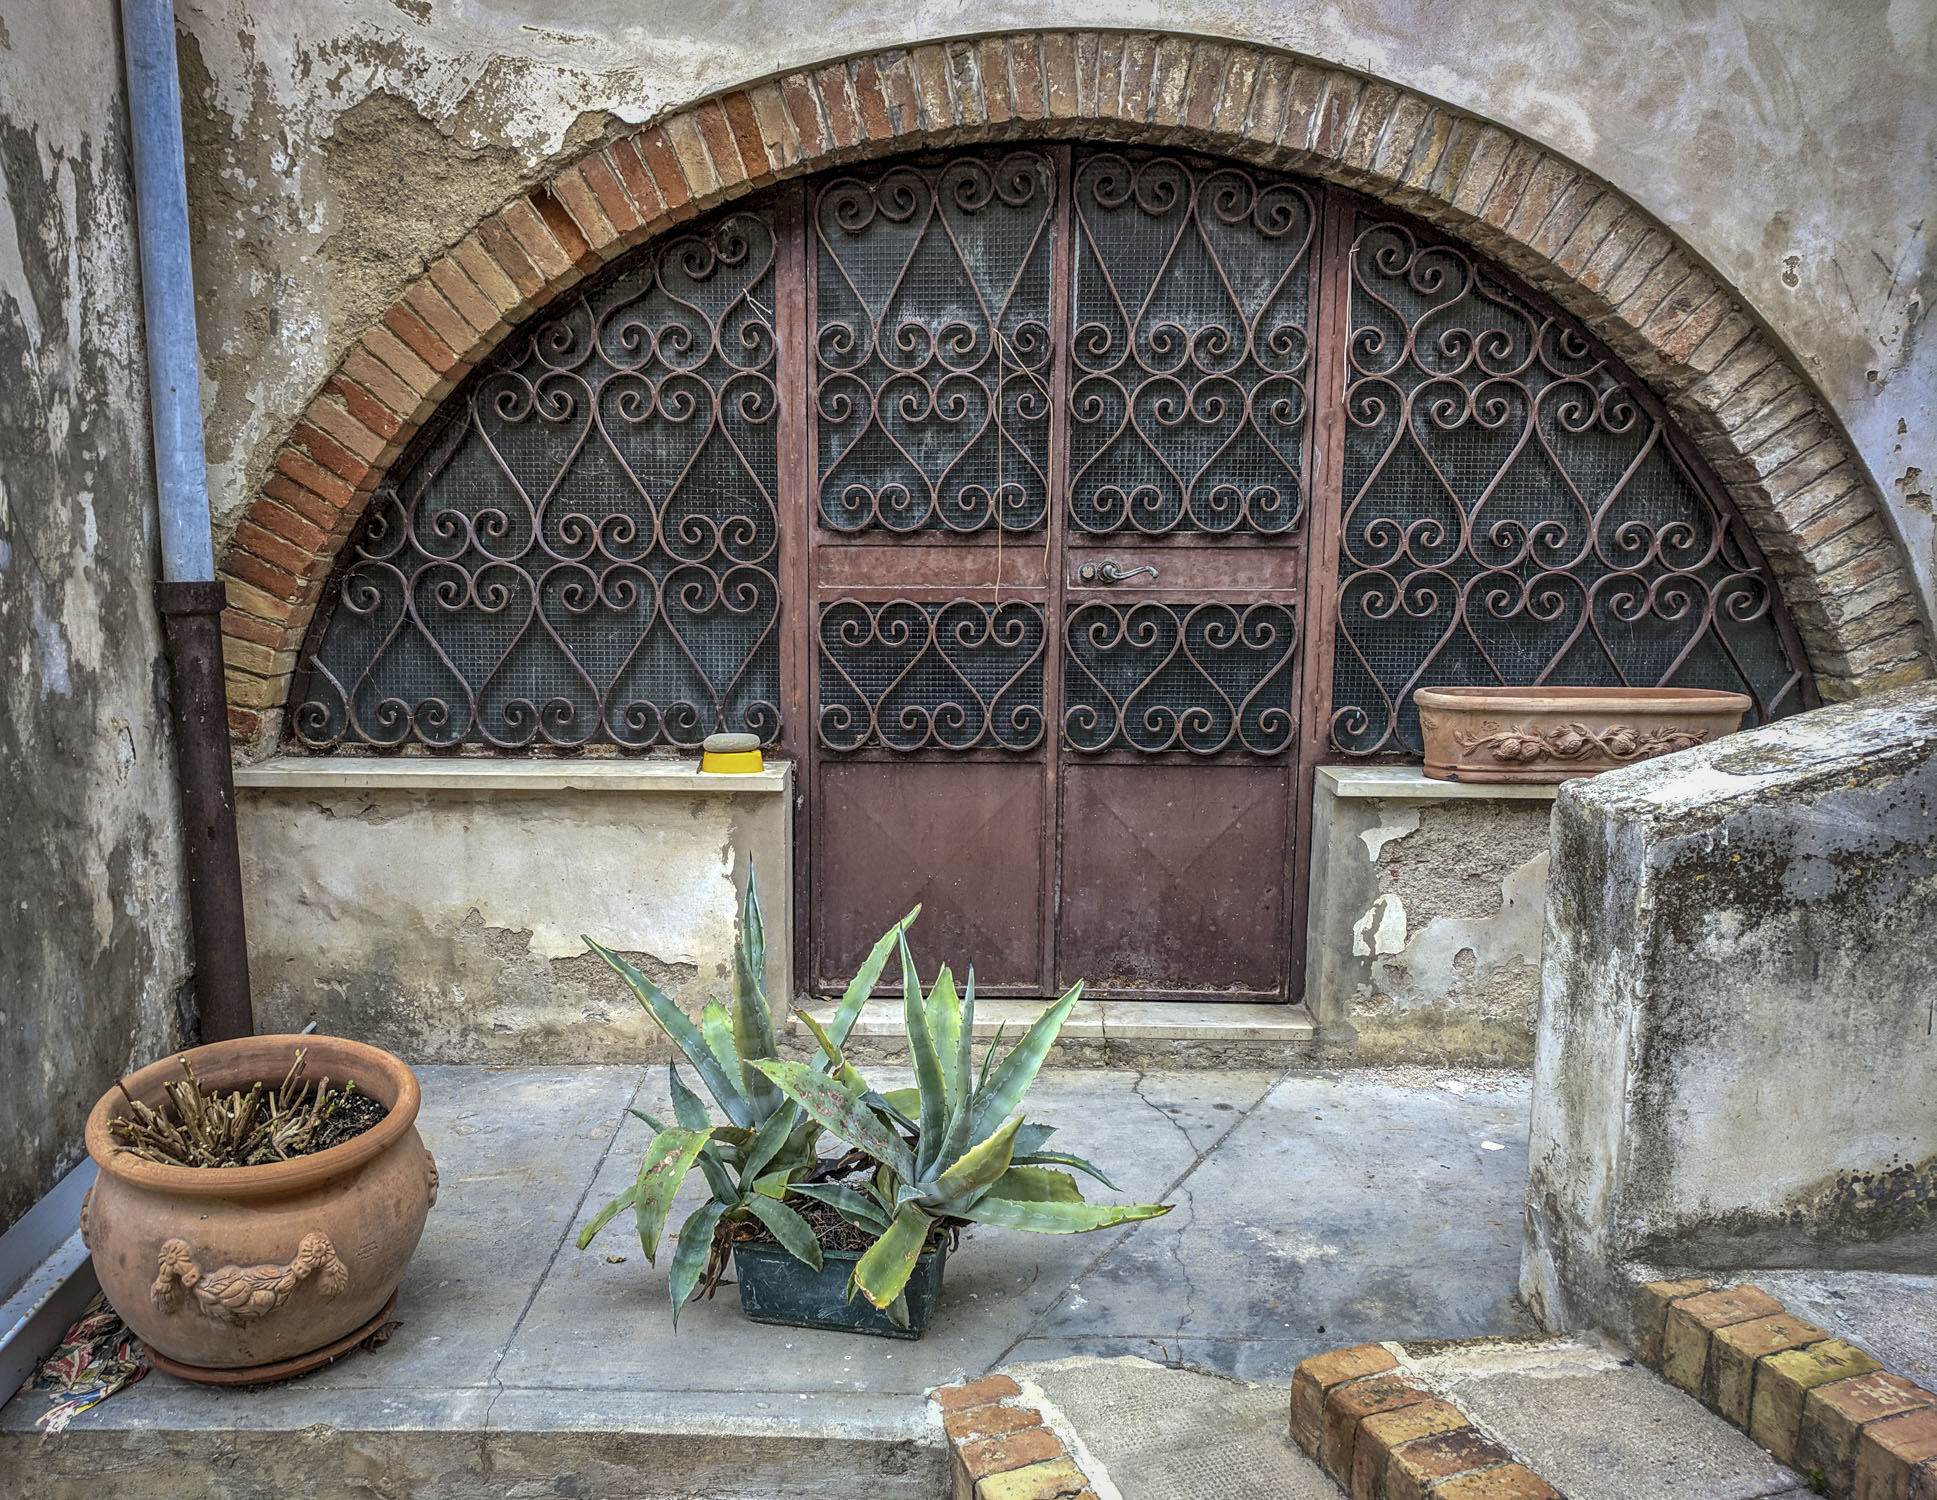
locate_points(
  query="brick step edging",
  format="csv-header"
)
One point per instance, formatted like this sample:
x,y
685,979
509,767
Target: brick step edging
x,y
1004,1450
1383,1436
1819,1404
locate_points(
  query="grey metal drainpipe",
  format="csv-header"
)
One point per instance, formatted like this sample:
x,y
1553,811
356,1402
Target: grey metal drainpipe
x,y
189,596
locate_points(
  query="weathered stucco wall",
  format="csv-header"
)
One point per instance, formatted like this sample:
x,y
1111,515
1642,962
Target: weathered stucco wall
x,y
1736,1065
437,910
334,149
1426,907
92,921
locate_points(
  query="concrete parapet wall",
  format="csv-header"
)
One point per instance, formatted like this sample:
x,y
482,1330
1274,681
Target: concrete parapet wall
x,y
435,907
1736,1063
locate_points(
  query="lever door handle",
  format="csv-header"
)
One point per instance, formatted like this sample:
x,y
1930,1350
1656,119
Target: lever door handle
x,y
1109,572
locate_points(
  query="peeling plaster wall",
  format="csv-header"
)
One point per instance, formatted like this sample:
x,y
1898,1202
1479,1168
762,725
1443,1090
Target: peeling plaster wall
x,y
1737,1061
1426,918
334,148
93,946
445,925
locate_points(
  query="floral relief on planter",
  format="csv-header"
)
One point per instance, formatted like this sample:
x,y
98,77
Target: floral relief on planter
x,y
1551,734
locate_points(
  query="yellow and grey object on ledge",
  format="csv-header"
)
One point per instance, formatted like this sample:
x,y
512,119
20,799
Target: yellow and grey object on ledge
x,y
731,755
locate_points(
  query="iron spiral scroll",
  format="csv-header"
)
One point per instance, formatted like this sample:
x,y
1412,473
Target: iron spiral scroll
x,y
932,345
1515,512
585,551
1190,357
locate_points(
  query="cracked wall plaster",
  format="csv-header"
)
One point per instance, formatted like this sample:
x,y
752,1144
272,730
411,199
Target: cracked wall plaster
x,y
1791,144
1426,926
447,926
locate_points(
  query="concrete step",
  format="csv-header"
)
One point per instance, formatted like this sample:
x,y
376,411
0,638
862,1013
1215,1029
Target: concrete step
x,y
1596,1425
1577,1412
520,1443
1105,1033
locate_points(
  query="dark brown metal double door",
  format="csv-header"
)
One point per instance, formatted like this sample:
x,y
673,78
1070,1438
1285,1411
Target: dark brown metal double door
x,y
1059,424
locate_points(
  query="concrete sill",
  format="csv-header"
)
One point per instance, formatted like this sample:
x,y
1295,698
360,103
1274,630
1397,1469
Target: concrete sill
x,y
1102,1021
313,773
1411,784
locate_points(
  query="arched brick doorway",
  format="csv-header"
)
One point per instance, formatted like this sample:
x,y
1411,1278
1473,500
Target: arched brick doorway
x,y
1740,401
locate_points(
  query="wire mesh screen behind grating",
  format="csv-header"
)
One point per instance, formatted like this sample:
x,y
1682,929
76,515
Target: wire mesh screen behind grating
x,y
909,676
1514,515
931,345
1191,300
584,552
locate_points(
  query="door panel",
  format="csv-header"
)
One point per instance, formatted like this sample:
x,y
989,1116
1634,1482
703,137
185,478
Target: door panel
x,y
963,838
1060,420
1173,879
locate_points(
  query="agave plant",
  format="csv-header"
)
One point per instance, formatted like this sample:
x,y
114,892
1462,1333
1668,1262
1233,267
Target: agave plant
x,y
768,1143
951,1150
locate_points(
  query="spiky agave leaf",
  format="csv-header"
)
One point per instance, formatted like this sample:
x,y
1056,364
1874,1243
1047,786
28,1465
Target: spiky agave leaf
x,y
838,1065
884,1269
769,1139
1059,1218
788,1227
661,1170
955,1189
845,1114
607,1214
1063,1159
856,1208
944,1014
1018,1070
927,1063
690,1253
961,1088
1035,1185
685,1035
716,1026
866,978
752,1016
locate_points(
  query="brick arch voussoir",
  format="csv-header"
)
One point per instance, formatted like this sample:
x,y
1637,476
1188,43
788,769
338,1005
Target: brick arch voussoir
x,y
1741,398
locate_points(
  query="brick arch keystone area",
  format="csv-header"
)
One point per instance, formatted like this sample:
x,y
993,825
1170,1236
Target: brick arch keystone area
x,y
1740,396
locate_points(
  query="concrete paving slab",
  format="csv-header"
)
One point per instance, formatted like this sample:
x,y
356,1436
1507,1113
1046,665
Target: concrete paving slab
x,y
1346,1207
1598,1426
514,1151
1147,1133
1334,1199
1158,1433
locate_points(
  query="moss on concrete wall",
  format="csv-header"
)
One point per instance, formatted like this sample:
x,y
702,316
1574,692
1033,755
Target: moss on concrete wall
x,y
92,943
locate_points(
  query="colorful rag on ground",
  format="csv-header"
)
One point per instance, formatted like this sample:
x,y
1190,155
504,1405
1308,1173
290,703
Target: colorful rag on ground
x,y
98,1356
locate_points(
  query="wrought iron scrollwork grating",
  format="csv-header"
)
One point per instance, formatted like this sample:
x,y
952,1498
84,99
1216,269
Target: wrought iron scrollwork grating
x,y
1203,678
931,345
1515,514
907,676
585,551
1188,399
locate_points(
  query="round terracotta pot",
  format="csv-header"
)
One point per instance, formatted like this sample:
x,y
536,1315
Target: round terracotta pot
x,y
1548,734
237,1273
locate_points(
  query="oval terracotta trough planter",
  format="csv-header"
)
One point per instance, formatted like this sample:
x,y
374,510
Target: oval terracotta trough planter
x,y
234,1275
1550,734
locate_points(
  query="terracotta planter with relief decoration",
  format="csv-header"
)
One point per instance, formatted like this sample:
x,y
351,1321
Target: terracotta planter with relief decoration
x,y
1552,734
234,1275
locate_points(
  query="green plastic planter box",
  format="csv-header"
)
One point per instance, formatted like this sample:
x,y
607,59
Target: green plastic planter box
x,y
776,1288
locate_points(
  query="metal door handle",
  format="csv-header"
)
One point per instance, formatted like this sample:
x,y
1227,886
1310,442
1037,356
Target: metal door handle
x,y
1109,572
